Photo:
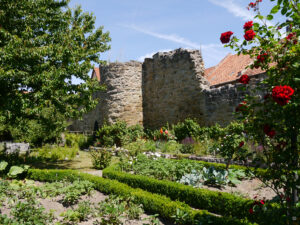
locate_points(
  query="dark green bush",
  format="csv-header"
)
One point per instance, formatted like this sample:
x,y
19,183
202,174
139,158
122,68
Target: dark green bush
x,y
187,128
152,203
224,204
118,134
100,158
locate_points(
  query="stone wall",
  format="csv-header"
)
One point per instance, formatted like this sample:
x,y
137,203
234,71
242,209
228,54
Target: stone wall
x,y
122,99
167,88
221,101
173,87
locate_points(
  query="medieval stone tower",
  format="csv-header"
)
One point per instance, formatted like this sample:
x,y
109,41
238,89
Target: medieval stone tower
x,y
168,88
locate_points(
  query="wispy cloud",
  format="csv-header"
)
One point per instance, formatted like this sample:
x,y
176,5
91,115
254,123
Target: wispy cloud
x,y
170,37
235,9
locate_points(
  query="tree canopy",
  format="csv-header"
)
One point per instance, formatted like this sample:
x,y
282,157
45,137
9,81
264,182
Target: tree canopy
x,y
44,44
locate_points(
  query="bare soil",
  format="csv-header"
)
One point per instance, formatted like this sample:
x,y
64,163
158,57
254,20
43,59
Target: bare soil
x,y
55,205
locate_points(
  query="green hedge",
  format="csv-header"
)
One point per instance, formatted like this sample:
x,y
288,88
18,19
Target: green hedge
x,y
221,203
153,203
258,171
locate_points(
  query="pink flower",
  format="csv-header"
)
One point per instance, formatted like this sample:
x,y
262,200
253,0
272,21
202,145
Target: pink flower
x,y
166,132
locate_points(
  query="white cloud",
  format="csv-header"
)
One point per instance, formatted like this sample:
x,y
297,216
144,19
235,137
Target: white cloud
x,y
170,37
234,8
237,10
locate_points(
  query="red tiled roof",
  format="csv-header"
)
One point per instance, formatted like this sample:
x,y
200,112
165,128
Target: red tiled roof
x,y
96,73
230,69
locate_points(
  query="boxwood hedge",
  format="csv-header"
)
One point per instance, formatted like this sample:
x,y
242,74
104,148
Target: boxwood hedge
x,y
153,203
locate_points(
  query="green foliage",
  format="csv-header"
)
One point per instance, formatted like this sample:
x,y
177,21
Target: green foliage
x,y
15,171
162,168
80,141
114,208
81,213
29,212
54,152
43,46
221,203
12,171
273,120
188,128
140,146
152,203
118,134
168,146
100,158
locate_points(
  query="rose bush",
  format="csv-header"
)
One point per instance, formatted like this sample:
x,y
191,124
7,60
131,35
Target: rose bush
x,y
273,121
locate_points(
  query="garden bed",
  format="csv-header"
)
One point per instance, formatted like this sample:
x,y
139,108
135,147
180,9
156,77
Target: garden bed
x,y
32,202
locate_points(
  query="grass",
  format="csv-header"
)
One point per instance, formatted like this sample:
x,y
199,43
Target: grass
x,y
81,162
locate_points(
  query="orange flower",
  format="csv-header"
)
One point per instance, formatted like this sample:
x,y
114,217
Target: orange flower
x,y
161,131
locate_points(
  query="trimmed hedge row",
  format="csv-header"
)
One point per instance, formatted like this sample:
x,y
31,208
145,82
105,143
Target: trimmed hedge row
x,y
258,171
221,203
153,203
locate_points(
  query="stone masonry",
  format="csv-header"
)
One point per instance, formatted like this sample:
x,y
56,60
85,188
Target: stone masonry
x,y
166,88
173,87
122,99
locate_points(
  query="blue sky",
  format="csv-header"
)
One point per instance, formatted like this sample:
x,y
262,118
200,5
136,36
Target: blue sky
x,y
139,28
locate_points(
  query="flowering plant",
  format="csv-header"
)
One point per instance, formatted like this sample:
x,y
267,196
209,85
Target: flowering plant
x,y
273,121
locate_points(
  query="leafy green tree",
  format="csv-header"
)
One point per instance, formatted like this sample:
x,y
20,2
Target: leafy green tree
x,y
274,120
44,45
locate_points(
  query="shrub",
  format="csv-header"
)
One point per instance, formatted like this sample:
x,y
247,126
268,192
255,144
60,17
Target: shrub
x,y
78,140
188,128
224,204
152,203
100,158
168,146
55,153
140,146
118,134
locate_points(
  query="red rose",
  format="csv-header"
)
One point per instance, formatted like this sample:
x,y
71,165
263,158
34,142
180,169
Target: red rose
x,y
267,96
242,107
268,131
282,94
252,4
225,37
244,79
251,211
292,36
262,202
249,35
248,25
261,58
241,144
